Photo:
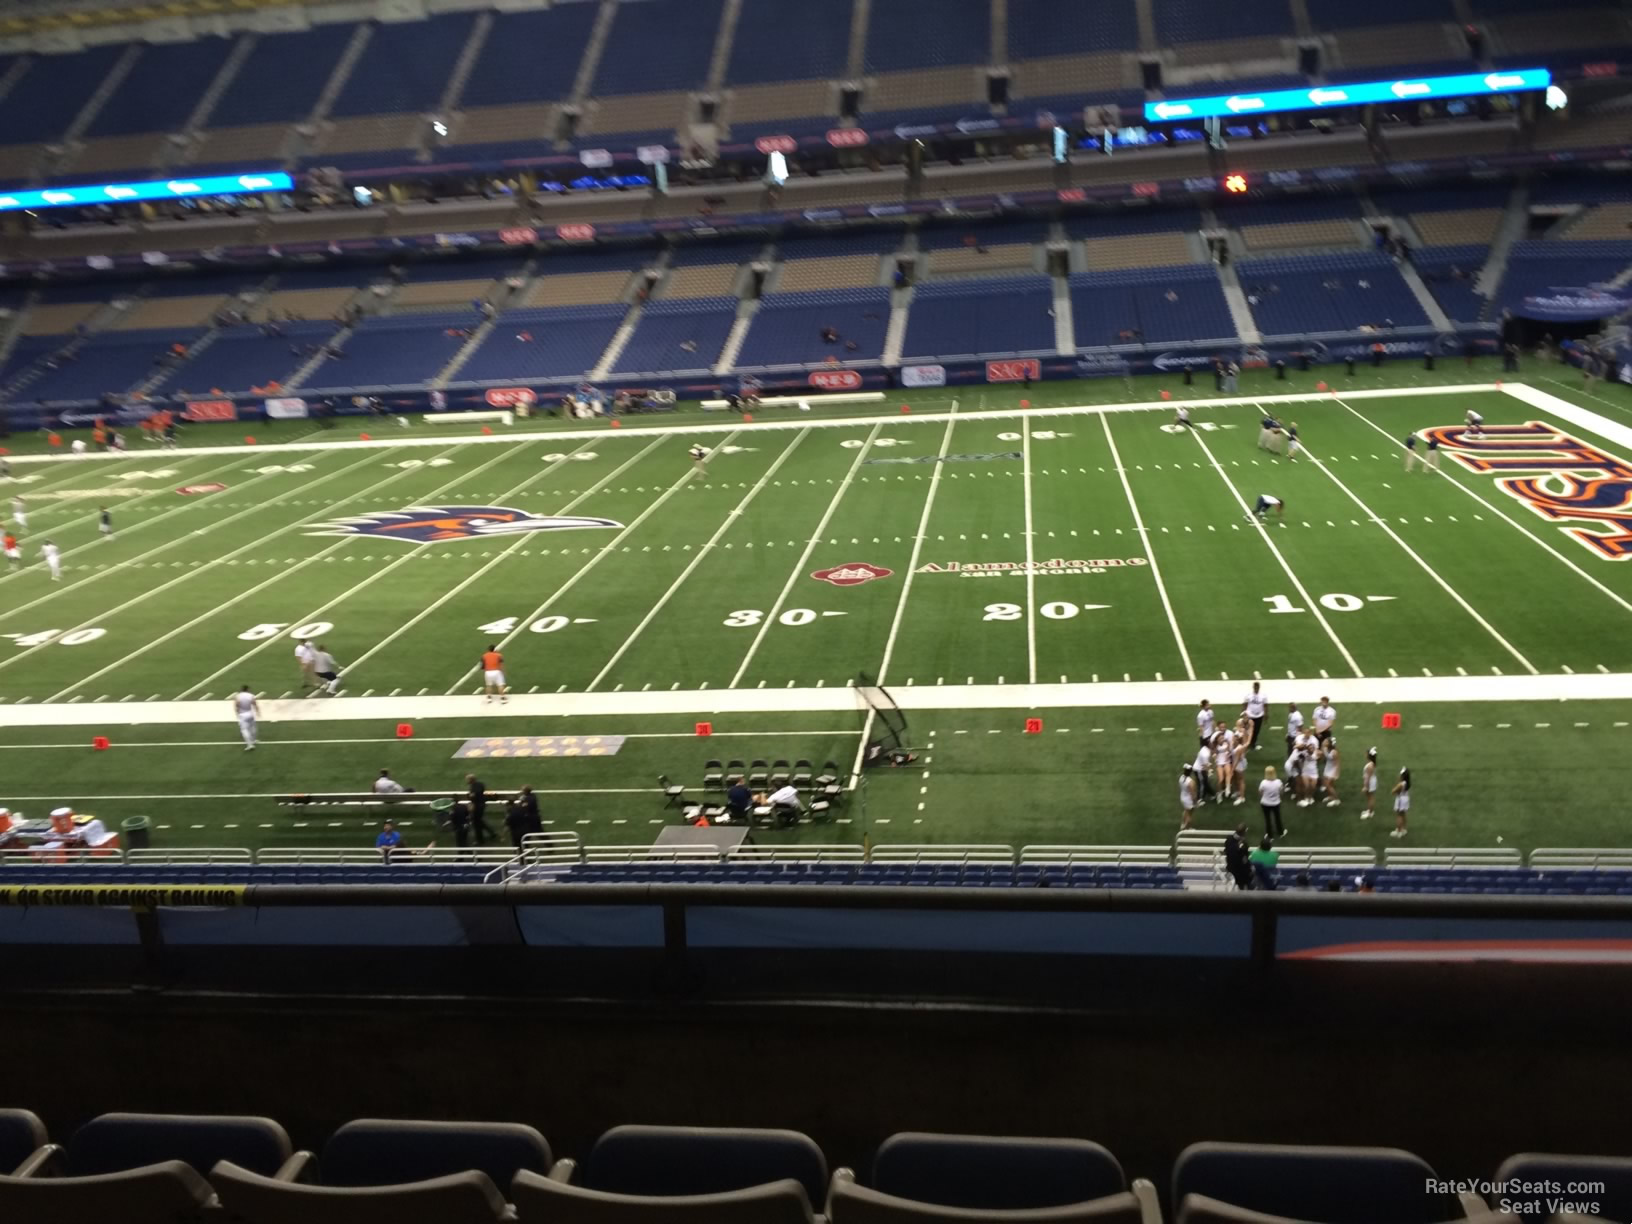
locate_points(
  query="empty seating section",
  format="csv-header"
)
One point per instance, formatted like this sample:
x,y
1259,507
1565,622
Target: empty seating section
x,y
990,179
279,82
898,37
973,875
1066,82
458,284
959,318
1538,266
1450,273
302,304
1047,27
405,67
577,288
1456,227
775,41
674,336
394,350
543,343
1336,15
1300,234
1149,305
1002,260
709,280
243,357
162,88
1188,21
58,318
833,272
529,56
108,362
52,92
787,328
1297,1183
762,106
1608,221
1300,295
194,311
658,45
1423,46
646,118
1137,251
1561,28
1585,130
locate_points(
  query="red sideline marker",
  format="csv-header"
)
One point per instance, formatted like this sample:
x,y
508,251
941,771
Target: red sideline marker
x,y
405,730
705,728
101,743
1034,726
1391,722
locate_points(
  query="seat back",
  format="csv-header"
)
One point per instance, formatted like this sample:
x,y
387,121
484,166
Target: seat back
x,y
995,1172
1613,1201
539,1200
1199,1209
117,1141
21,1132
165,1193
1320,1185
463,1198
381,1152
679,1160
849,1203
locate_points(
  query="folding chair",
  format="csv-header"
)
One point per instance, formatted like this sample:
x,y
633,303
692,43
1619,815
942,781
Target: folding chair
x,y
759,775
803,772
781,771
674,794
713,776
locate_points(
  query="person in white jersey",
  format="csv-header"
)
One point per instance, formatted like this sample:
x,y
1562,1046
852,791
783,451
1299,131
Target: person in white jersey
x,y
1266,504
1202,767
1205,722
19,511
1269,798
248,711
306,660
1402,803
1329,773
1368,784
1310,778
1476,423
53,560
1257,707
1325,718
1224,756
1187,797
1294,725
1239,765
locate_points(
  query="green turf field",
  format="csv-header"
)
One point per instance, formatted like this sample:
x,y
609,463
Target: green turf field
x,y
1084,560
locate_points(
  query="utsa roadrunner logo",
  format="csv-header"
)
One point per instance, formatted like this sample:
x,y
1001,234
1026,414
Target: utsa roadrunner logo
x,y
1576,482
853,574
428,524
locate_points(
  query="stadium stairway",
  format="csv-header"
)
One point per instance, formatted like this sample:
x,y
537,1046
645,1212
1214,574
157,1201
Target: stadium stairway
x,y
856,61
1515,220
1236,299
591,63
896,334
1430,304
1065,330
723,42
466,63
619,341
746,311
224,77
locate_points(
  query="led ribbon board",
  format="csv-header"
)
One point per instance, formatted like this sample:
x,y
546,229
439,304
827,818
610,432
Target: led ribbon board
x,y
158,189
1322,97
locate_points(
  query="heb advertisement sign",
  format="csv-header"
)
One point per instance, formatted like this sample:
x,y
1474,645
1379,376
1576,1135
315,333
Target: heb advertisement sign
x,y
582,231
835,380
776,144
287,409
210,410
846,138
519,235
1017,370
923,376
509,397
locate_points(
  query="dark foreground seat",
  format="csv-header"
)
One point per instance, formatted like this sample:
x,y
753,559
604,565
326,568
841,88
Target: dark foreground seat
x,y
462,1198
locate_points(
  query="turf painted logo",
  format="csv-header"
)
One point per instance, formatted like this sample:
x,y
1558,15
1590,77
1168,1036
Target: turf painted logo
x,y
429,524
850,575
1575,481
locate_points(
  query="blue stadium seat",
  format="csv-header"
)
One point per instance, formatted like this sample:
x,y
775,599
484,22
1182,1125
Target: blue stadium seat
x,y
1334,1185
116,1142
658,45
1613,1196
671,1160
899,38
21,1134
989,316
991,1173
380,1152
768,30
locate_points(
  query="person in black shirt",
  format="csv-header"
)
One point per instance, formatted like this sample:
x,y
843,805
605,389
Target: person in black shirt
x,y
739,800
522,817
1235,858
477,795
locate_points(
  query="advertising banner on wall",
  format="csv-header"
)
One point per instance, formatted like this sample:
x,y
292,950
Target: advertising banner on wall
x,y
287,409
923,376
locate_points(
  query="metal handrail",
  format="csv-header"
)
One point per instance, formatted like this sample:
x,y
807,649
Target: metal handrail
x,y
1129,856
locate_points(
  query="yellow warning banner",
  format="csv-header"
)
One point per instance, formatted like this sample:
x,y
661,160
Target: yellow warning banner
x,y
145,895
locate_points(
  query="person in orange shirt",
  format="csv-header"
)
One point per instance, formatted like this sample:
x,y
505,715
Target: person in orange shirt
x,y
100,436
493,675
13,553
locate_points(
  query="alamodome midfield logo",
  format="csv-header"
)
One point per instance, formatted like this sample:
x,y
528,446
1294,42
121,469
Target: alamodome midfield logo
x,y
853,574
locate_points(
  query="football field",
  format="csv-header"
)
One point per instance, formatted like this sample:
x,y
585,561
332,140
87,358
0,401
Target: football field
x,y
1065,560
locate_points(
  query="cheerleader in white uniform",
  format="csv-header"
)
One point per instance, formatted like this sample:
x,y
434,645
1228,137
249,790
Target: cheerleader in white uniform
x,y
1368,784
1402,803
1330,772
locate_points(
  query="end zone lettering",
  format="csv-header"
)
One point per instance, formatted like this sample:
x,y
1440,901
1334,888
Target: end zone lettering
x,y
1056,565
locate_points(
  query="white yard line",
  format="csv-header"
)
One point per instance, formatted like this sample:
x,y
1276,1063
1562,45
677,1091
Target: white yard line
x,y
804,557
1150,553
702,555
1580,391
281,577
502,553
912,565
795,423
174,540
108,613
1263,534
1540,543
238,744
426,499
1031,573
1377,519
106,717
605,551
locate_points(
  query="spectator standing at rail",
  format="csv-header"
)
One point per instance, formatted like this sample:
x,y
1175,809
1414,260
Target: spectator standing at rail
x,y
522,818
1235,858
1265,859
1269,799
477,794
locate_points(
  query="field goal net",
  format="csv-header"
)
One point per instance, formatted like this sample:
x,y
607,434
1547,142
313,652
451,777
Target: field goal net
x,y
890,722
